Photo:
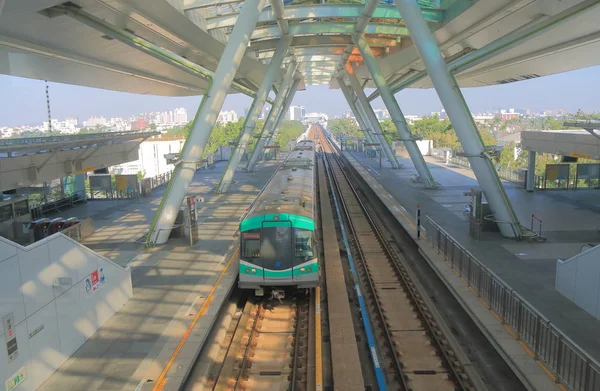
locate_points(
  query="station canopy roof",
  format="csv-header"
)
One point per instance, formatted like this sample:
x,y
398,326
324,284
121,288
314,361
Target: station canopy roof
x,y
79,42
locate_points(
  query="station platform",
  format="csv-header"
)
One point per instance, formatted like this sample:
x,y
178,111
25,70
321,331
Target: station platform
x,y
571,219
151,342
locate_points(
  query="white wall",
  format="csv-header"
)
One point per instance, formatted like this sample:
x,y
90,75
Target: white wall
x,y
68,314
152,157
578,279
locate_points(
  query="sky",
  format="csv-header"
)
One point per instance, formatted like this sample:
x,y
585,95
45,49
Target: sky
x,y
23,101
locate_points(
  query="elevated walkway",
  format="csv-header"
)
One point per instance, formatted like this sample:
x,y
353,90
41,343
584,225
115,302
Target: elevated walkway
x,y
570,220
27,161
174,285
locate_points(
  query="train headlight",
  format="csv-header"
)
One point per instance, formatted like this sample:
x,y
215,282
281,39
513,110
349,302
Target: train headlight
x,y
247,271
308,269
302,269
253,270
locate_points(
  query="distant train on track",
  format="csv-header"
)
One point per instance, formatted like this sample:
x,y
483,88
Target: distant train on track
x,y
277,237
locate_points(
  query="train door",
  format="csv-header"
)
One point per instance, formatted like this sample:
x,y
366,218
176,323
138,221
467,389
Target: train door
x,y
276,250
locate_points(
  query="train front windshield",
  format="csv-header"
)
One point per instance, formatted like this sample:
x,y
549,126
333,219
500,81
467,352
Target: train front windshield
x,y
303,245
276,248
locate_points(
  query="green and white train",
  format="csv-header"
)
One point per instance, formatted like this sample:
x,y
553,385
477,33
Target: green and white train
x,y
277,236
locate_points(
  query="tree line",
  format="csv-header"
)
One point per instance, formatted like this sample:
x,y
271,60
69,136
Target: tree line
x,y
229,133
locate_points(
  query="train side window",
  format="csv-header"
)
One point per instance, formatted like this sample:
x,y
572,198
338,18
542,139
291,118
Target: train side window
x,y
303,244
251,244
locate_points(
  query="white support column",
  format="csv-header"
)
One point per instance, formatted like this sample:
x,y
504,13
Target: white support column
x,y
460,116
394,109
273,115
257,105
349,95
209,109
372,118
530,184
285,107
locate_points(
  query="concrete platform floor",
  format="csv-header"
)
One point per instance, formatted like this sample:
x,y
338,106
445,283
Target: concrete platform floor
x,y
571,218
168,282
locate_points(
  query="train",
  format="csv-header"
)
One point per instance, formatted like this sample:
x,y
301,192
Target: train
x,y
278,247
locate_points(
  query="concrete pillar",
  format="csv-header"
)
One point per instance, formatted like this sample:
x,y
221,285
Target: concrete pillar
x,y
285,107
395,113
257,105
530,185
273,115
372,118
209,109
349,95
460,116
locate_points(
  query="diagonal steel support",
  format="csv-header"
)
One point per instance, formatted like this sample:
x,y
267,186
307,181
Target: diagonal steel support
x,y
394,109
209,109
284,108
460,116
252,117
372,119
273,115
348,94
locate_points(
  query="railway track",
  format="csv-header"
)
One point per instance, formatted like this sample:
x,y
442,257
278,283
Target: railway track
x,y
265,347
414,352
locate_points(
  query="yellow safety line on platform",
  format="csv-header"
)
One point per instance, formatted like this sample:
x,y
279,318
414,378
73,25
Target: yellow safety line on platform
x,y
160,383
318,340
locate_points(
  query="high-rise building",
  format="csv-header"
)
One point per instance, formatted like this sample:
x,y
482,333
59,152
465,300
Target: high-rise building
x,y
180,116
227,116
295,113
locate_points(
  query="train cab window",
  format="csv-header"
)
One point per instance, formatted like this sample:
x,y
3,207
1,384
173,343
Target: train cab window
x,y
303,245
251,244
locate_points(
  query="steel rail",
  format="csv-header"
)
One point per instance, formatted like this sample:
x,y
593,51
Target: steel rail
x,y
404,279
350,224
363,309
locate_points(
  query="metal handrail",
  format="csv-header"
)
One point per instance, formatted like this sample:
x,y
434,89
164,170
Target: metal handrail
x,y
572,366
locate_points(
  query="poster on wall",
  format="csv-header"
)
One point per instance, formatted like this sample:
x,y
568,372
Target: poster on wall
x,y
94,281
10,337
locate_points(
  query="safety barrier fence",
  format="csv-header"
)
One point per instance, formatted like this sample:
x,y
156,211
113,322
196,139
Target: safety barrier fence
x,y
568,362
160,180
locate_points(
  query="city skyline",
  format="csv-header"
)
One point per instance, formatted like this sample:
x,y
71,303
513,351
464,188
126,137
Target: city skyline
x,y
24,103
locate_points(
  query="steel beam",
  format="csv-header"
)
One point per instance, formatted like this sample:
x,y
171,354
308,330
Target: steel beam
x,y
397,116
318,41
530,183
349,95
277,8
212,102
345,11
372,119
252,117
460,116
501,45
329,28
273,114
145,46
284,108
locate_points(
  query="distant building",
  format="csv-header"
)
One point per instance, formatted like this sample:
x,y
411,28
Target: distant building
x,y
381,114
139,124
295,113
94,121
227,116
411,119
510,114
180,116
483,118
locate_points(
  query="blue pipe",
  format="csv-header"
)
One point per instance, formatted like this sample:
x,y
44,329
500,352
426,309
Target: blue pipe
x,y
361,301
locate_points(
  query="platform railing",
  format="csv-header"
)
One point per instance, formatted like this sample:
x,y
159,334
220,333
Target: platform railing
x,y
568,362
